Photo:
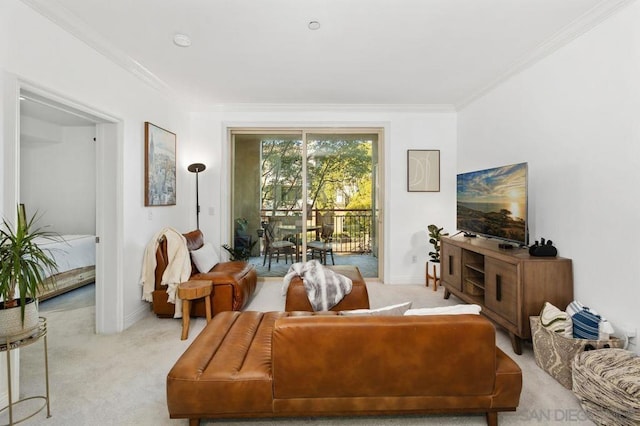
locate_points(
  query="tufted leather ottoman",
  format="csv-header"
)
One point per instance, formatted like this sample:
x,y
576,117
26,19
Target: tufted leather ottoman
x,y
297,299
607,384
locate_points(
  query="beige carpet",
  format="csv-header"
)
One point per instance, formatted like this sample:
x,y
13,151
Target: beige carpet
x,y
120,379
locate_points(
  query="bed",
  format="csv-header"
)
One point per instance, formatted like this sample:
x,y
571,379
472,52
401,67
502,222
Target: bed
x,y
75,256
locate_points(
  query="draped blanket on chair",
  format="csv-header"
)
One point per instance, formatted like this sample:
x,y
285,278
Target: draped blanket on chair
x,y
178,268
325,288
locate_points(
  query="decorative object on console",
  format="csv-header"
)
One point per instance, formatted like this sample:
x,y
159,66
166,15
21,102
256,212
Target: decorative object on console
x,y
197,168
423,170
544,249
159,166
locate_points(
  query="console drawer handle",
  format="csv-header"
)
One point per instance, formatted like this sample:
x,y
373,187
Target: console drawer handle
x,y
450,265
498,287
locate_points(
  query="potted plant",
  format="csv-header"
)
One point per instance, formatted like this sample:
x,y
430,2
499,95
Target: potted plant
x,y
435,233
434,238
242,253
23,268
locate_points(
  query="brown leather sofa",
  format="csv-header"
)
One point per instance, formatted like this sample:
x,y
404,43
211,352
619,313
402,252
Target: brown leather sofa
x,y
233,282
289,364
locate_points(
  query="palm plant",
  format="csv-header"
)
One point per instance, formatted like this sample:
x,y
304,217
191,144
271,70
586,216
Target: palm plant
x,y
23,264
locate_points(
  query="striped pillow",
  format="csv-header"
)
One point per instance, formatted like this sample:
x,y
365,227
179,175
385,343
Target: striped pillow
x,y
555,320
585,325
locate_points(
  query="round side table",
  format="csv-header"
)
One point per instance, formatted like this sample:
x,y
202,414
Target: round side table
x,y
9,343
193,290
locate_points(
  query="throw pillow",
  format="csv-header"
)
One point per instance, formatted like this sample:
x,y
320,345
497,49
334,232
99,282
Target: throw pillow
x,y
585,325
205,257
446,310
574,307
553,319
393,310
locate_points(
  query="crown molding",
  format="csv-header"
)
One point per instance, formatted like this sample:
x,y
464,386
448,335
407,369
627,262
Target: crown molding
x,y
596,15
384,108
59,15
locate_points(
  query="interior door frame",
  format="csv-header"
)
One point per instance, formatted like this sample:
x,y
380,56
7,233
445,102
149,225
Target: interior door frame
x,y
109,217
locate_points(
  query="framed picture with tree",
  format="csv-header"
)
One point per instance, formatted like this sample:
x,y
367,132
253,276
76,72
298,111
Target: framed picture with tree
x,y
159,166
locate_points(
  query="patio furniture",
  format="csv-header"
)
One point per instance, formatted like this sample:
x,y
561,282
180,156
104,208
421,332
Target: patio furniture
x,y
275,247
323,246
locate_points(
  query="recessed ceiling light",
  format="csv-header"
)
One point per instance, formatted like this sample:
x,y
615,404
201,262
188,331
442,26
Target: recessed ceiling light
x,y
182,40
314,25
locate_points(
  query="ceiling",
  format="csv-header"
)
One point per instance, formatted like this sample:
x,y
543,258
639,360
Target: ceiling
x,y
374,52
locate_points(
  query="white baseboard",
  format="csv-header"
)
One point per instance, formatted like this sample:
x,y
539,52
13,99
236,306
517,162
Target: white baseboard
x,y
136,315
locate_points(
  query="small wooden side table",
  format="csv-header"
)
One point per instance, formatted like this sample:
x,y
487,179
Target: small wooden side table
x,y
193,290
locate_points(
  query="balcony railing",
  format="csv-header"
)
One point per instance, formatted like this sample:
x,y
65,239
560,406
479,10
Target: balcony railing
x,y
352,228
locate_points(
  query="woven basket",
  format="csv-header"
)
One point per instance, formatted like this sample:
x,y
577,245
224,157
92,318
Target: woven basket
x,y
11,325
554,353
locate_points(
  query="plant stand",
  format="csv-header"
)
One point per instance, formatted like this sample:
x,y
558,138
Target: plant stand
x,y
8,344
435,269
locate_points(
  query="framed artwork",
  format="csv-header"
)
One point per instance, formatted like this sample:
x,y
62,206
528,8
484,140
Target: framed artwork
x,y
423,170
159,166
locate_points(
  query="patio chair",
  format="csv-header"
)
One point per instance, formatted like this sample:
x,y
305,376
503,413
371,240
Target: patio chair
x,y
272,246
323,246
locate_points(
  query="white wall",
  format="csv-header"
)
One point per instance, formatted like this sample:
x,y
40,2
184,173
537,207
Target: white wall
x,y
58,175
407,215
34,50
574,118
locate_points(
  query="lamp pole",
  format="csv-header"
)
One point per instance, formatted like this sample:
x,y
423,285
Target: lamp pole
x,y
197,168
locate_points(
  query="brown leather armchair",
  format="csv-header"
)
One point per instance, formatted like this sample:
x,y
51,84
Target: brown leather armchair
x,y
233,282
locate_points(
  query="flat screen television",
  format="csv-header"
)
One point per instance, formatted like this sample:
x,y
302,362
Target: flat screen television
x,y
493,203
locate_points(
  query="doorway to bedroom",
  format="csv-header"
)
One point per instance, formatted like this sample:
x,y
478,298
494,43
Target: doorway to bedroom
x,y
57,184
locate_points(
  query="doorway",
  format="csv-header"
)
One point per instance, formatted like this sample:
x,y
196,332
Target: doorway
x,y
104,164
309,193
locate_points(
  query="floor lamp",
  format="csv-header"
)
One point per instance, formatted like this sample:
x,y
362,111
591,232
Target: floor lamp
x,y
197,168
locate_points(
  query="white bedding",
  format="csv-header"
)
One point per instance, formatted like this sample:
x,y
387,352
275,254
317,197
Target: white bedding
x,y
71,251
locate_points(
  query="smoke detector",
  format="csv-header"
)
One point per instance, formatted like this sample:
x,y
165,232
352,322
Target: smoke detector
x,y
182,40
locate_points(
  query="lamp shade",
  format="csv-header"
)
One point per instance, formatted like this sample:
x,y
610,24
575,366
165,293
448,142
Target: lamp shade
x,y
196,167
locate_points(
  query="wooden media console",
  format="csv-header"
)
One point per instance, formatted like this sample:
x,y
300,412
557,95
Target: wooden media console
x,y
509,284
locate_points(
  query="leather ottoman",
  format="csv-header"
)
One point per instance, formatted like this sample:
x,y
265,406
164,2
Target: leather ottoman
x,y
297,299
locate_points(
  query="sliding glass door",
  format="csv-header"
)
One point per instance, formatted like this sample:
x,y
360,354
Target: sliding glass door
x,y
307,193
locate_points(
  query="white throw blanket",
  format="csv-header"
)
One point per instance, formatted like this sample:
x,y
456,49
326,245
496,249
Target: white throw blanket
x,y
178,267
325,288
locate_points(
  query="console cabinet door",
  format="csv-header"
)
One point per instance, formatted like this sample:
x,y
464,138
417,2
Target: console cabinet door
x,y
451,269
501,289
